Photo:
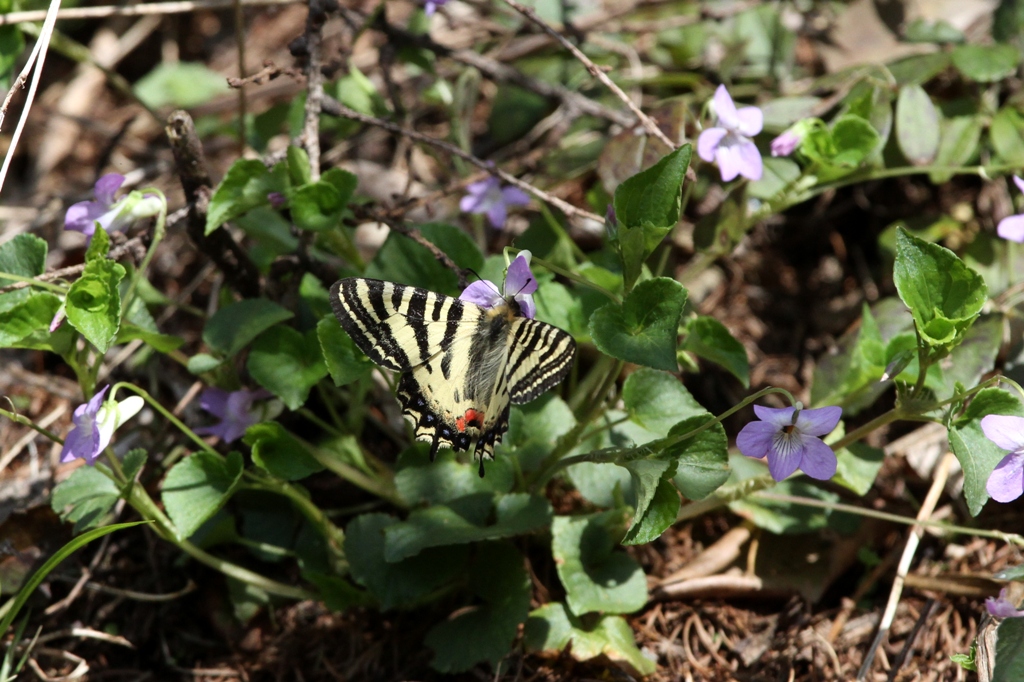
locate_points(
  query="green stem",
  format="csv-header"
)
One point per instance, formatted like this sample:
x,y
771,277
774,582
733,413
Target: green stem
x,y
1011,538
158,234
55,288
166,414
25,421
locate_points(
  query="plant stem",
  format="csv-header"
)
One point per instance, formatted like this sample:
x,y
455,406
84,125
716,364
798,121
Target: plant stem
x,y
25,421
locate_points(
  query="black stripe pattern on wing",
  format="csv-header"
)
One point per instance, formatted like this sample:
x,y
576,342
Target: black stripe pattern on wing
x,y
539,358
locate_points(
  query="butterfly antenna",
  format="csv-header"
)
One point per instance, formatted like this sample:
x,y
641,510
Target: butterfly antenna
x,y
523,287
481,279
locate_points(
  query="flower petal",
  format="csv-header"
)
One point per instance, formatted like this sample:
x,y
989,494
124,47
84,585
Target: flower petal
x,y
776,416
749,158
785,144
1006,483
106,187
729,162
725,109
215,401
128,408
750,120
526,305
707,143
755,439
497,214
819,461
1020,183
1006,431
820,421
519,279
514,196
783,461
1012,228
81,217
483,293
1002,607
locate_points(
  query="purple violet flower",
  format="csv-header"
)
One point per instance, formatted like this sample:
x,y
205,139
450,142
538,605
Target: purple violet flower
x,y
1002,607
489,197
1012,227
94,426
729,141
1007,480
430,6
106,212
786,143
790,438
236,411
519,286
276,199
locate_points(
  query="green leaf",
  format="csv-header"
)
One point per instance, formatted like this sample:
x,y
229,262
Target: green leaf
x,y
180,84
85,497
317,206
1009,654
1007,135
345,362
702,462
778,174
919,68
647,206
287,363
486,631
854,138
708,338
232,327
986,63
203,362
917,125
299,171
163,343
29,588
960,137
422,482
533,429
858,466
596,577
278,452
93,303
657,400
11,46
244,187
553,628
657,502
943,294
463,521
343,181
26,318
402,585
197,486
644,328
403,260
23,255
978,455
99,247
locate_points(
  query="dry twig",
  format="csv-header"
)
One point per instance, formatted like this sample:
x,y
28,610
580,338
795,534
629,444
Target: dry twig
x,y
335,108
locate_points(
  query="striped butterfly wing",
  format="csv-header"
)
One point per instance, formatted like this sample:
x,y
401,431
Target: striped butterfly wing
x,y
462,364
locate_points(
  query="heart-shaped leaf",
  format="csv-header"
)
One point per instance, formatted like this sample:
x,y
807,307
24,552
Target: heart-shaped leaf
x,y
645,327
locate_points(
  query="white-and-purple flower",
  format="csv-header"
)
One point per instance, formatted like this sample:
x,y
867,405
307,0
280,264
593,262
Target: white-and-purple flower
x,y
1007,480
237,411
791,439
108,213
519,287
1002,607
1012,227
490,198
94,426
729,141
430,6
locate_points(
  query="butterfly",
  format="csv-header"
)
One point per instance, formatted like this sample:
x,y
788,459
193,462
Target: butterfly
x,y
462,364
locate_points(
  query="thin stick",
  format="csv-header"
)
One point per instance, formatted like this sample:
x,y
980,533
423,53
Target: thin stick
x,y
35,63
649,125
104,11
333,107
129,247
913,540
314,84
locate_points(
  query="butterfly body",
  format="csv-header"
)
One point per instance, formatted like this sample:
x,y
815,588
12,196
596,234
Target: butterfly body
x,y
462,364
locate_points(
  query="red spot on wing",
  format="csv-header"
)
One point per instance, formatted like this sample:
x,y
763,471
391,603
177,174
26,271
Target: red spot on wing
x,y
460,424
